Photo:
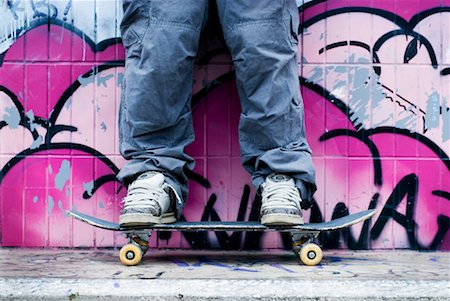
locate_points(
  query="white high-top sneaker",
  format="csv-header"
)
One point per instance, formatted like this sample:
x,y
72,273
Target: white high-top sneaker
x,y
149,201
280,203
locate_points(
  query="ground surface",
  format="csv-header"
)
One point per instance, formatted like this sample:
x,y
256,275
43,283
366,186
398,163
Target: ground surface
x,y
37,274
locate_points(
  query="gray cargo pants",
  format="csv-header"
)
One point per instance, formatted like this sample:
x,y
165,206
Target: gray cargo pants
x,y
161,39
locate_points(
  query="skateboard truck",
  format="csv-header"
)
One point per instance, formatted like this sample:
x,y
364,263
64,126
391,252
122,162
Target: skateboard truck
x,y
131,254
304,247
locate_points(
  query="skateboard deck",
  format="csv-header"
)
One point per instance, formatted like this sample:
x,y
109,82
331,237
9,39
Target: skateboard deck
x,y
302,236
335,224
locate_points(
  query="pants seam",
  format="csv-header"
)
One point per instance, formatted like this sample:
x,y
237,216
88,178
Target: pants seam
x,y
174,24
266,146
236,26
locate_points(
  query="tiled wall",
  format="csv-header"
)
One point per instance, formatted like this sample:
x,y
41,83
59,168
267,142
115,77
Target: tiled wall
x,y
375,79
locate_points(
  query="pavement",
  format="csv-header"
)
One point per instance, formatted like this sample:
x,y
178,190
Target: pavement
x,y
82,274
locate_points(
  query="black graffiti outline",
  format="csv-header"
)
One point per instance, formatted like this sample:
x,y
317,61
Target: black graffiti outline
x,y
445,71
363,135
406,29
408,187
53,129
24,120
404,24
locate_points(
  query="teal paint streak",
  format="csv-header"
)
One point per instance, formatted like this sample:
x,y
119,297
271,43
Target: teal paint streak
x,y
446,124
36,143
50,204
63,175
432,111
89,187
12,118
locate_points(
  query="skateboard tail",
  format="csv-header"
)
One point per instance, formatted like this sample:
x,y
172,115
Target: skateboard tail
x,y
99,223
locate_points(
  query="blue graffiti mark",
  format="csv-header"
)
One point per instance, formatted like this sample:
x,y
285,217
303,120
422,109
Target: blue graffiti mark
x,y
180,263
221,265
204,261
279,266
334,259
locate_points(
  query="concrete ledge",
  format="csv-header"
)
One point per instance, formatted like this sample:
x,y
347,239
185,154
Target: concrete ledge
x,y
35,274
158,289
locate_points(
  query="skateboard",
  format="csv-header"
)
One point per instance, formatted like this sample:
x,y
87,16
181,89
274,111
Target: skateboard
x,y
302,236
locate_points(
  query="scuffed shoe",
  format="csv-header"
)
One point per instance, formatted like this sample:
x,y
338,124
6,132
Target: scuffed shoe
x,y
280,201
149,201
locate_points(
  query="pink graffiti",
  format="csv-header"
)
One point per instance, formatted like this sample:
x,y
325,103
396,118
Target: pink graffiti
x,y
58,150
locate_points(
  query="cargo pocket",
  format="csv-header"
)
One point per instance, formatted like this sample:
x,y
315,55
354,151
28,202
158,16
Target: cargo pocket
x,y
134,26
296,120
292,20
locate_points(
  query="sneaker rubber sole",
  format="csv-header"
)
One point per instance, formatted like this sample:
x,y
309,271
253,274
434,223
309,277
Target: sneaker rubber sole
x,y
135,220
168,218
281,219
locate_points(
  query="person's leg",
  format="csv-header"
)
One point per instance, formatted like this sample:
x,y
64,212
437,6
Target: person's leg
x,y
262,38
155,124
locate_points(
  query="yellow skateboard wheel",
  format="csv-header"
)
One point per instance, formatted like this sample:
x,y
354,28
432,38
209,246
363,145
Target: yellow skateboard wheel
x,y
311,254
130,255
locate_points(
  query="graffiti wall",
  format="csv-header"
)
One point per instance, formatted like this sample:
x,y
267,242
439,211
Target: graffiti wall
x,y
375,79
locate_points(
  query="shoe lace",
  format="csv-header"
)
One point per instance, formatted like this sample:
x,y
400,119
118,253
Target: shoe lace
x,y
281,194
141,197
